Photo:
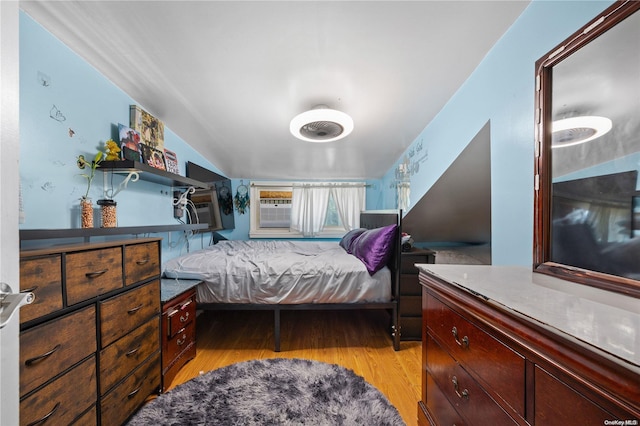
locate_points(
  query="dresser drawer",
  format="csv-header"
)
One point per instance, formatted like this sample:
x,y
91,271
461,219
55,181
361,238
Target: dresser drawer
x,y
122,356
142,261
123,313
495,365
439,406
178,343
43,278
558,404
50,348
410,285
461,390
126,397
179,315
170,370
92,273
64,399
411,328
411,305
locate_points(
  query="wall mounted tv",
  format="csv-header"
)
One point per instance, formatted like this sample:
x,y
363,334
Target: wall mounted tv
x,y
215,205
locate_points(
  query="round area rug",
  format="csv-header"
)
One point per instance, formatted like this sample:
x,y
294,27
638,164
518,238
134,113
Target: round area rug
x,y
276,391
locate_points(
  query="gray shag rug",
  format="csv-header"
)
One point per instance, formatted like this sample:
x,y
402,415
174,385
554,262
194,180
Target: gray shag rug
x,y
276,391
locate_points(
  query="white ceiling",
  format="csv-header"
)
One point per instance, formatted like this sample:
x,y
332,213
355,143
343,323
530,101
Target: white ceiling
x,y
228,76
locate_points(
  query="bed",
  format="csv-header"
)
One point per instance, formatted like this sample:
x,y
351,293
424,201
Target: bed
x,y
361,271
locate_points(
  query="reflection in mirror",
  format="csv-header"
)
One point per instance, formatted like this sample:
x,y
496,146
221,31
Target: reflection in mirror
x,y
588,202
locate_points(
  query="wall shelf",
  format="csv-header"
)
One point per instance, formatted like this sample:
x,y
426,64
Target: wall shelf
x,y
150,174
87,233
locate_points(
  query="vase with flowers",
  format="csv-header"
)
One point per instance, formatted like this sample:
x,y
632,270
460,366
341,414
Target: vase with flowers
x,y
108,217
86,206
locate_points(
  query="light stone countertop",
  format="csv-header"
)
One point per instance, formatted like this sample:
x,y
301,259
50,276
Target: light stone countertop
x,y
607,321
172,287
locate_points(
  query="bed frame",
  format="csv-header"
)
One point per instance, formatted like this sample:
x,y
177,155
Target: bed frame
x,y
368,219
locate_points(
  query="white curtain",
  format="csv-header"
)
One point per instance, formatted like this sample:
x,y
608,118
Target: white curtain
x,y
350,201
309,209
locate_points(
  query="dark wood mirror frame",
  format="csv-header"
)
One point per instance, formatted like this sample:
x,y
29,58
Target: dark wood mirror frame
x,y
542,263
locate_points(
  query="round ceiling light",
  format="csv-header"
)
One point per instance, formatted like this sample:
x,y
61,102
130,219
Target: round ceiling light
x,y
577,130
321,124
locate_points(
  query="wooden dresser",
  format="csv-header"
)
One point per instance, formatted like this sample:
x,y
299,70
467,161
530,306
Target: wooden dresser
x,y
503,345
90,343
178,326
411,292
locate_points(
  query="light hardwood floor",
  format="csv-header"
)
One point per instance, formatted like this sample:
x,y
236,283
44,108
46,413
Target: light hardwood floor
x,y
353,339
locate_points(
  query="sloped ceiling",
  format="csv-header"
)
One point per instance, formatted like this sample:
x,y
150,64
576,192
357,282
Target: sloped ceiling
x,y
457,208
228,76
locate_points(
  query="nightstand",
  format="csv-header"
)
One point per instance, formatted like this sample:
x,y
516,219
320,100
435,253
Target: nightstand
x,y
178,326
410,303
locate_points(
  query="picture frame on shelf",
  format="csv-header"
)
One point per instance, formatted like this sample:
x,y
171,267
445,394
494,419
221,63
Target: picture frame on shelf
x,y
150,128
171,161
129,143
153,157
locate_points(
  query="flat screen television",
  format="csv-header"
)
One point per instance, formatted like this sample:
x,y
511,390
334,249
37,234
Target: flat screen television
x,y
214,205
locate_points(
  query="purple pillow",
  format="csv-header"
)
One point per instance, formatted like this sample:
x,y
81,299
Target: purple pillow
x,y
374,247
349,237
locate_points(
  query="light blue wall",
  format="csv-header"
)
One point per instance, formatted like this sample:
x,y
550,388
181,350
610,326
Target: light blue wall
x,y
501,90
82,100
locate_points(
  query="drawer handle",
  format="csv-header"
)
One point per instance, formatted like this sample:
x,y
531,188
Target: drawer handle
x,y
134,310
39,358
134,392
46,416
143,261
464,394
96,273
184,318
180,342
464,343
133,351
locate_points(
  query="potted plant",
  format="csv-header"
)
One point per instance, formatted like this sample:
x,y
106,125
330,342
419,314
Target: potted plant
x,y
86,206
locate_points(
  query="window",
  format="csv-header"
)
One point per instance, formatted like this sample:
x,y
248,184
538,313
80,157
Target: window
x,y
297,210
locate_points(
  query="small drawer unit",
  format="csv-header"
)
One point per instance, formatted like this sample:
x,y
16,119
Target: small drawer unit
x,y
410,305
178,333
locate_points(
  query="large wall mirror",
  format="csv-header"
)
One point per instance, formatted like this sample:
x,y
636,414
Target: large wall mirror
x,y
587,198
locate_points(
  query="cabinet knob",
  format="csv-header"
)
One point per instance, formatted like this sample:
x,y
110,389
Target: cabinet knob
x,y
464,343
182,341
464,394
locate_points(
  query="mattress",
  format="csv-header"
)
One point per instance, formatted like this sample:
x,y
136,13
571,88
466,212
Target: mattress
x,y
280,272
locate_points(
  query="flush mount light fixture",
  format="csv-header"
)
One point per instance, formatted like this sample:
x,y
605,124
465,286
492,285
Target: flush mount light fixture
x,y
321,124
577,130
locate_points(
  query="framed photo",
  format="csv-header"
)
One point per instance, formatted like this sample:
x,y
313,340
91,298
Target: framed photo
x,y
150,128
171,161
153,157
129,143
